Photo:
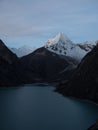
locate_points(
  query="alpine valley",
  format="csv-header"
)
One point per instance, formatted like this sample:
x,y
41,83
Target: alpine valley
x,y
55,62
71,67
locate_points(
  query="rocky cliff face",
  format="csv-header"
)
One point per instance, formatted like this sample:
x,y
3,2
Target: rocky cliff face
x,y
84,82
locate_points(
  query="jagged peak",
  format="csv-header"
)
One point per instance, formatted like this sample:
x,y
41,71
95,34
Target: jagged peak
x,y
58,38
61,36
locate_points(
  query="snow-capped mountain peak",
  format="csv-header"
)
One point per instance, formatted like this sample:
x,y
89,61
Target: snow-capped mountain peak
x,y
62,45
59,38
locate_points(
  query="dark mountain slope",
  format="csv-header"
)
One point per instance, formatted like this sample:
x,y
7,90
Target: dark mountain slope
x,y
9,72
45,66
6,54
84,82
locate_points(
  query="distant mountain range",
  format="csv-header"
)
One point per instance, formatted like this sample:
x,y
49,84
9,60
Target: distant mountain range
x,y
22,51
61,45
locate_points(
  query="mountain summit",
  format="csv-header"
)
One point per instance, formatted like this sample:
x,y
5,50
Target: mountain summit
x,y
62,45
60,38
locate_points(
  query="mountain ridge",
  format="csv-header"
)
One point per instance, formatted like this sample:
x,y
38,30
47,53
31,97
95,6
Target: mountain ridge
x,y
62,45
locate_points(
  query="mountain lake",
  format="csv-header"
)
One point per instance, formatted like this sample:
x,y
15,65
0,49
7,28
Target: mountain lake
x,y
33,107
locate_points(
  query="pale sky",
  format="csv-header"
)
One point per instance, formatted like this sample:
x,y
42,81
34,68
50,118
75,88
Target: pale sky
x,y
32,22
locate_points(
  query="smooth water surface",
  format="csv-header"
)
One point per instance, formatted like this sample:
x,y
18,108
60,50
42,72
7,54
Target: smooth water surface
x,y
39,108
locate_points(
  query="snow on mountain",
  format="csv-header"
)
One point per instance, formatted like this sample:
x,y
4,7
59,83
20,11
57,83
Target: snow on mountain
x,y
22,51
62,45
60,38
